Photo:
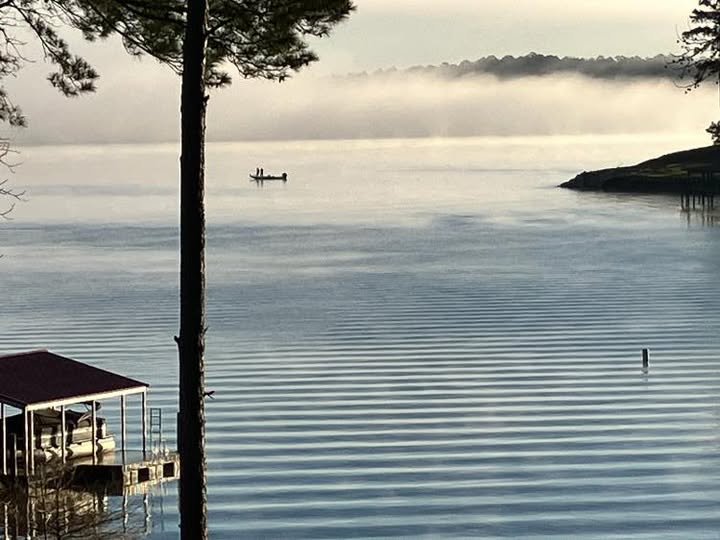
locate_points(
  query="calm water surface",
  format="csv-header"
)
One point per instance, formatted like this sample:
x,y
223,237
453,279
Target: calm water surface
x,y
409,339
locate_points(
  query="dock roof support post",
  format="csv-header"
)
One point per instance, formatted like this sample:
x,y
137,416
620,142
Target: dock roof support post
x,y
94,432
144,424
4,439
63,435
31,457
13,453
123,429
26,453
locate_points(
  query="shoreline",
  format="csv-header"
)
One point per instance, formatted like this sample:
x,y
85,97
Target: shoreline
x,y
688,171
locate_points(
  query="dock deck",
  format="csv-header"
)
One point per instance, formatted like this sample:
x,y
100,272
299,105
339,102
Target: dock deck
x,y
117,472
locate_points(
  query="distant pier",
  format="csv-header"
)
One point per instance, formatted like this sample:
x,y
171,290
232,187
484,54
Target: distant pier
x,y
702,186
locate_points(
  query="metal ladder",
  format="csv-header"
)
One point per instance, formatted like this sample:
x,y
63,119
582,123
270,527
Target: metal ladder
x,y
156,430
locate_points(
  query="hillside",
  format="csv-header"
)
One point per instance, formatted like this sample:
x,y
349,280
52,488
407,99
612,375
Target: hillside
x,y
671,173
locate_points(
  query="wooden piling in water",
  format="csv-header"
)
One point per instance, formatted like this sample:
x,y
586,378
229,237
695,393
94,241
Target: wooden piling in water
x,y
645,358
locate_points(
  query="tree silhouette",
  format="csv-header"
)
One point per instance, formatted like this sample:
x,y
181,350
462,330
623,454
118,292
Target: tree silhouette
x,y
73,76
40,19
700,59
5,190
714,131
197,39
11,194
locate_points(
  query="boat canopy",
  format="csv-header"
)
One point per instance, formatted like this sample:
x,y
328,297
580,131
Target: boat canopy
x,y
40,379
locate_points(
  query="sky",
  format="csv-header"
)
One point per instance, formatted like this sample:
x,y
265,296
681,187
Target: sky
x,y
137,100
384,33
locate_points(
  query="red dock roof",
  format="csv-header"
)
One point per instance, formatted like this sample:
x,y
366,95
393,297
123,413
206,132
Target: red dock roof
x,y
43,378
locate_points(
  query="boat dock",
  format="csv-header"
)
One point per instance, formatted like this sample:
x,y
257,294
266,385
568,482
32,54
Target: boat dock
x,y
116,475
45,438
126,473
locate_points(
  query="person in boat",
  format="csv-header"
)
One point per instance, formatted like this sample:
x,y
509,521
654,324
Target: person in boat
x,y
257,171
284,177
261,172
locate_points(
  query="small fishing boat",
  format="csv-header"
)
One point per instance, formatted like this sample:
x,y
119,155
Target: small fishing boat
x,y
267,177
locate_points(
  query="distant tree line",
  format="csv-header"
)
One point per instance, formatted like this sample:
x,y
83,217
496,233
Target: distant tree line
x,y
538,65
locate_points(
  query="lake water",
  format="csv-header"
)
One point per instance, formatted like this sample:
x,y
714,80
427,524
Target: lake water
x,y
411,338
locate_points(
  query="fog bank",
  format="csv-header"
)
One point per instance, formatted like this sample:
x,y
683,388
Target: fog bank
x,y
409,105
429,106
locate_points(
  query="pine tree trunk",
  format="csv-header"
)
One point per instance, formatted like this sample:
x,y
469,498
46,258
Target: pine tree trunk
x,y
191,341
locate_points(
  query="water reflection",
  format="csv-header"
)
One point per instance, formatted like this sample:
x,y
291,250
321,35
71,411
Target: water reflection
x,y
694,214
655,201
53,505
45,512
341,182
701,217
474,374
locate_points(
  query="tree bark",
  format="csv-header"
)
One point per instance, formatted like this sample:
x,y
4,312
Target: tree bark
x,y
191,341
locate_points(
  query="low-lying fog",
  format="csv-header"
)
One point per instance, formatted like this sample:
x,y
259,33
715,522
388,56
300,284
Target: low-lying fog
x,y
127,108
